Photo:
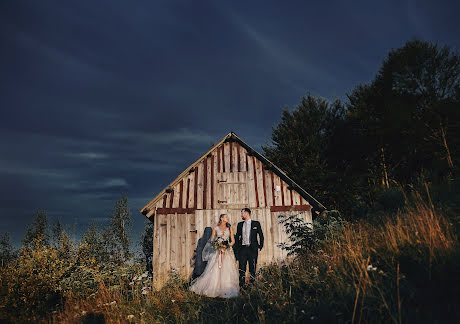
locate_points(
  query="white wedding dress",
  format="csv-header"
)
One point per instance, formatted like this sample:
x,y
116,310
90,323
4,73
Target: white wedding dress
x,y
218,281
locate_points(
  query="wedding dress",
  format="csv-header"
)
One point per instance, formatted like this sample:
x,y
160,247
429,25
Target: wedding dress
x,y
220,277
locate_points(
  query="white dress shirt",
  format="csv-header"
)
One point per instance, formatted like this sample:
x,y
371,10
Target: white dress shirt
x,y
246,231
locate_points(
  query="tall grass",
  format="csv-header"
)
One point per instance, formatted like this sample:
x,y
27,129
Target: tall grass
x,y
405,269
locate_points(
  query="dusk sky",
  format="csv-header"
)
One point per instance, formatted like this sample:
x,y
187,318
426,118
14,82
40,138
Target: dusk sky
x,y
103,97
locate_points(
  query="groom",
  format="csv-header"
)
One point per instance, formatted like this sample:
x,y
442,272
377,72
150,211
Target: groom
x,y
247,246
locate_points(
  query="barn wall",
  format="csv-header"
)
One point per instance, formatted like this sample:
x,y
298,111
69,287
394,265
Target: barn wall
x,y
224,182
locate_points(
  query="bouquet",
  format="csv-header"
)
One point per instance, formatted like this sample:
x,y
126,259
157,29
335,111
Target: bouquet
x,y
220,244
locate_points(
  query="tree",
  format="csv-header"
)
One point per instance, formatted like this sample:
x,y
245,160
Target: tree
x,y
118,231
407,118
37,230
57,231
301,142
94,244
147,245
7,252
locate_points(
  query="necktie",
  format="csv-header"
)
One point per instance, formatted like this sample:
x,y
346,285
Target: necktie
x,y
246,233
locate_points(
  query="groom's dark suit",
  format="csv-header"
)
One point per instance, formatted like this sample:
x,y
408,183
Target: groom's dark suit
x,y
248,254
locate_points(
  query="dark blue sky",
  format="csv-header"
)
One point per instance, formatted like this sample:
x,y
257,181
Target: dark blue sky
x,y
103,97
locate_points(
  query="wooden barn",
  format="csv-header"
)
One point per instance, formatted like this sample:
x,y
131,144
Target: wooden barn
x,y
229,177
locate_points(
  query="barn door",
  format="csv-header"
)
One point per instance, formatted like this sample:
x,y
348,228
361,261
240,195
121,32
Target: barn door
x,y
232,190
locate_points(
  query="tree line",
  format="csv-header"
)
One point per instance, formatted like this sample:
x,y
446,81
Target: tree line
x,y
399,131
110,243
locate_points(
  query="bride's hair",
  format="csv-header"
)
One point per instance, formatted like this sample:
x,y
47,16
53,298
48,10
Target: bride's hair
x,y
220,219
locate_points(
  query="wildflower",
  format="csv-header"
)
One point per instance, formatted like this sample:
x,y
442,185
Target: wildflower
x,y
371,268
141,313
83,312
130,316
113,302
330,267
173,300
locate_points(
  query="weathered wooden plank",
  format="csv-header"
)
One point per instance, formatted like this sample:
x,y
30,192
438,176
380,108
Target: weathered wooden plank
x,y
192,243
282,192
171,199
238,157
302,201
163,246
230,149
173,237
287,198
244,181
275,235
200,186
296,197
205,182
187,244
212,181
277,191
195,187
290,208
182,254
168,244
209,218
156,248
264,185
227,156
247,160
191,201
218,159
251,190
187,192
181,194
268,188
260,183
174,210
176,196
199,221
164,200
223,157
268,235
255,181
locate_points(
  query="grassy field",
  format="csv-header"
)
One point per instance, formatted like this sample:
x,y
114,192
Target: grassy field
x,y
403,268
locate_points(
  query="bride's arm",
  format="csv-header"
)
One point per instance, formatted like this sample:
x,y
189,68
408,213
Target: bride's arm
x,y
232,239
213,234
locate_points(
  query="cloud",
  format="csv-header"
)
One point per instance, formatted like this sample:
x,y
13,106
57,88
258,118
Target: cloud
x,y
89,155
166,137
96,185
19,169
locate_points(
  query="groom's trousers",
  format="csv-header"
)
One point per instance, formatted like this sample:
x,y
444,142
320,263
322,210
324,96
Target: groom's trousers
x,y
247,256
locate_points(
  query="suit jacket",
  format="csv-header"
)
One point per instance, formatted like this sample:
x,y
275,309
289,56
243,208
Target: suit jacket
x,y
255,244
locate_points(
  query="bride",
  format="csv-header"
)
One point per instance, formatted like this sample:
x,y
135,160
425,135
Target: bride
x,y
220,277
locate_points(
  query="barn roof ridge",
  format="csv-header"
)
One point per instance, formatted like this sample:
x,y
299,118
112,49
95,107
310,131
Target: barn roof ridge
x,y
231,136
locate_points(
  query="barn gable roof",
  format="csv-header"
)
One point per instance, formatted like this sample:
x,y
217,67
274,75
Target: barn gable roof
x,y
232,137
